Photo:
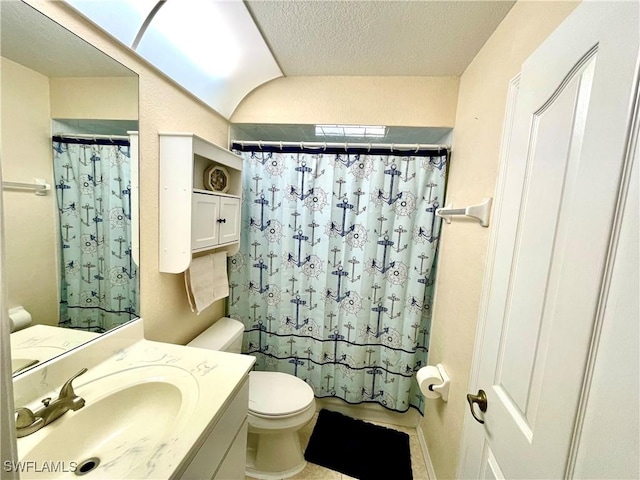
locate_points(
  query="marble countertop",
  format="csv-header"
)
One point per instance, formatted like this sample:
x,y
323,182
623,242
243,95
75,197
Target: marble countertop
x,y
50,336
216,375
39,343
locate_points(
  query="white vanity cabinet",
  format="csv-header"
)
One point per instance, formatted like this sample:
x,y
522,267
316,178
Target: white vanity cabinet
x,y
222,455
192,217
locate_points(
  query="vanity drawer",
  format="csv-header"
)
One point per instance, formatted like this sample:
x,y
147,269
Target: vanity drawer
x,y
213,451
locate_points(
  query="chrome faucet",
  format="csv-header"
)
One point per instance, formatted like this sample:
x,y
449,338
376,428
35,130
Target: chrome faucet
x,y
28,421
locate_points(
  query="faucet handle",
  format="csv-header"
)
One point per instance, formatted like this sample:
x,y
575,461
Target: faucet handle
x,y
27,422
67,388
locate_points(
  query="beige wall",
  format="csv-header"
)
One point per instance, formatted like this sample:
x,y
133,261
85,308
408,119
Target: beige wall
x,y
163,106
394,101
30,233
473,174
76,98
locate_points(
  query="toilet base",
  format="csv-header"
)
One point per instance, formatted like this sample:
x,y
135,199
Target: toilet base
x,y
274,456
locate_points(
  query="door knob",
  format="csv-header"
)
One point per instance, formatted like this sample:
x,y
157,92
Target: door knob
x,y
222,220
481,400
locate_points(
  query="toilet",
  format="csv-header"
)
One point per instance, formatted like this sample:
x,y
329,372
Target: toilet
x,y
279,406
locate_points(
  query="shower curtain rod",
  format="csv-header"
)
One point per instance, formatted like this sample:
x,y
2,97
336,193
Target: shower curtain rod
x,y
91,136
405,147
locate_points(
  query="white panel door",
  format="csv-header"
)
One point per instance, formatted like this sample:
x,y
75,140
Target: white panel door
x,y
551,233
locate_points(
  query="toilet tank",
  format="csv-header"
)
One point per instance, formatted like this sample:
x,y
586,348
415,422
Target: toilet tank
x,y
225,335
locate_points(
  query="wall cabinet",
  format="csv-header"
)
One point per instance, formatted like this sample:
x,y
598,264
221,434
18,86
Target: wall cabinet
x,y
193,218
215,220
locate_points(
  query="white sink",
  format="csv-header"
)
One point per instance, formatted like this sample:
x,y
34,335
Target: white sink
x,y
129,421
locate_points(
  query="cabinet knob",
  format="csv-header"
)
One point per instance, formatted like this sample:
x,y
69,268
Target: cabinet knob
x,y
222,220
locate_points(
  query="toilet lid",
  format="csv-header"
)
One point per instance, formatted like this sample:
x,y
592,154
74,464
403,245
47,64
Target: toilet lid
x,y
275,393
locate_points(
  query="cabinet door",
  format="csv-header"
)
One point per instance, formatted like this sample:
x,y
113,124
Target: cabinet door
x,y
204,226
229,219
222,455
233,465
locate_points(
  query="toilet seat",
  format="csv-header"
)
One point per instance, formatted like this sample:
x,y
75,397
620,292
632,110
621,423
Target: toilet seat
x,y
278,395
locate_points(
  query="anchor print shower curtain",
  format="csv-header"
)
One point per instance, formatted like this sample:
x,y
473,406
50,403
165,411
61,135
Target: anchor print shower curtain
x,y
98,278
334,278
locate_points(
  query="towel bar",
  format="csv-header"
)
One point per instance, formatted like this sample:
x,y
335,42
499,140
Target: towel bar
x,y
480,212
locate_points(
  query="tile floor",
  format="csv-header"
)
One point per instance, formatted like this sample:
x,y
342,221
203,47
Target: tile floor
x,y
316,472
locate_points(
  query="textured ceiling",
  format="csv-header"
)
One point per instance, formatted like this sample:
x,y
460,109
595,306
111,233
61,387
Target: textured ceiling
x,y
35,41
376,37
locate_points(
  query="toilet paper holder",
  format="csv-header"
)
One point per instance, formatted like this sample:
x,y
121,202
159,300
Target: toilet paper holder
x,y
19,318
441,388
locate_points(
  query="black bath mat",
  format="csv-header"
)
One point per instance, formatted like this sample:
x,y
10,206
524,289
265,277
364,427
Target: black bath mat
x,y
359,449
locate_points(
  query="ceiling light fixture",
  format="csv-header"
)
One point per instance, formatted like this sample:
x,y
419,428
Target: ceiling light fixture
x,y
360,131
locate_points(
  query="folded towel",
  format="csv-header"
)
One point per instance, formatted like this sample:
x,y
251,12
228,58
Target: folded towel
x,y
206,280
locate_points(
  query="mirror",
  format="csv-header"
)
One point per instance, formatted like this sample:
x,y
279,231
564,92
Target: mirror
x,y
70,262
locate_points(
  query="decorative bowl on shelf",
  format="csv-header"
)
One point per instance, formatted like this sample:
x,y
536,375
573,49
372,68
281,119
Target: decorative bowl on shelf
x,y
216,179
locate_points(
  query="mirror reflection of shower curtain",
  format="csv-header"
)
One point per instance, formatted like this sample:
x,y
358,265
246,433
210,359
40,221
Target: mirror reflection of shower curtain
x,y
98,277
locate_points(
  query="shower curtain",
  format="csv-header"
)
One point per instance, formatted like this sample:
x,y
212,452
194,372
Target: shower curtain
x,y
98,278
335,274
